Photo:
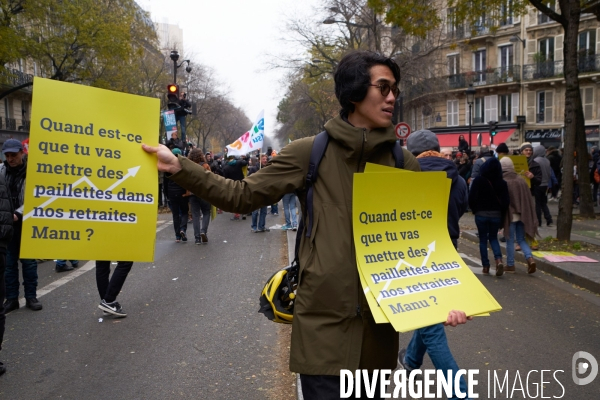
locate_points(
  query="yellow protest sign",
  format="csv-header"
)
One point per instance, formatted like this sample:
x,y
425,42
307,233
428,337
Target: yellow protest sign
x,y
90,189
521,167
405,254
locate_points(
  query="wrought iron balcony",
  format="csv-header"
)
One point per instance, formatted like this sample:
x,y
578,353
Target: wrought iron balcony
x,y
588,63
543,70
10,124
490,76
14,77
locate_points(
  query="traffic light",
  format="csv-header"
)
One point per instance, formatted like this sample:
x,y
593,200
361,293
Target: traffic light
x,y
493,130
173,96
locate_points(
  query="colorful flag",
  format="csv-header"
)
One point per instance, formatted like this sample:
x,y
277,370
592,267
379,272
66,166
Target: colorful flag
x,y
251,140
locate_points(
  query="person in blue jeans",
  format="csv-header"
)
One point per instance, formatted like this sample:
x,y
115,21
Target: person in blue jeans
x,y
289,210
520,218
489,201
61,265
259,218
424,145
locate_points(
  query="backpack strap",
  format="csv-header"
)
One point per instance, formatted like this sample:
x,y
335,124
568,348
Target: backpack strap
x,y
398,154
316,154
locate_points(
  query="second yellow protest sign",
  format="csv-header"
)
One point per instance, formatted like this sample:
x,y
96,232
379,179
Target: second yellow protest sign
x,y
405,254
90,188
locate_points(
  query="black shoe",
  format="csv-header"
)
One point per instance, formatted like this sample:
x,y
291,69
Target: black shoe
x,y
2,369
204,238
33,304
183,236
197,241
11,305
114,308
64,268
244,216
75,265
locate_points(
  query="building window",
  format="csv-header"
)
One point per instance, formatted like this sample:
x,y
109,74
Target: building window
x,y
453,64
478,109
454,29
543,18
452,106
505,108
586,46
506,58
479,61
506,13
587,101
544,107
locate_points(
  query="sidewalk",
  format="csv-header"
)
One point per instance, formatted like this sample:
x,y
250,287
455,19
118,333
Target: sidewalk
x,y
586,275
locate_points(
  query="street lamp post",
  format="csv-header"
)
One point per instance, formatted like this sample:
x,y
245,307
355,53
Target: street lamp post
x,y
175,56
470,92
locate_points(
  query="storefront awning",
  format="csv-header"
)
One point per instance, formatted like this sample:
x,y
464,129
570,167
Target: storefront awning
x,y
451,139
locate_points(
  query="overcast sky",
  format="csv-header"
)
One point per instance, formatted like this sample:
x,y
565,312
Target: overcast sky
x,y
233,37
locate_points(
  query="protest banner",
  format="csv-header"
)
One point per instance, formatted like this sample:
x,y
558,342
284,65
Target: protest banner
x,y
170,123
90,189
404,251
251,140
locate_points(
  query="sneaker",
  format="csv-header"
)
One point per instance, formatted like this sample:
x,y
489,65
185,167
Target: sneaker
x,y
177,239
113,308
75,264
402,361
204,237
63,268
11,305
261,230
183,236
197,241
286,227
33,304
294,228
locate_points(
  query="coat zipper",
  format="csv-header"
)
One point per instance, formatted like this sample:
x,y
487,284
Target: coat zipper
x,y
362,148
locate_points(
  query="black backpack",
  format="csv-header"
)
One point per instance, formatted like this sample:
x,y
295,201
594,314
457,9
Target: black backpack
x,y
316,155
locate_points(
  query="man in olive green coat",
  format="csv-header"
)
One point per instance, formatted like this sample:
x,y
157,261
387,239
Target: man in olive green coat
x,y
333,327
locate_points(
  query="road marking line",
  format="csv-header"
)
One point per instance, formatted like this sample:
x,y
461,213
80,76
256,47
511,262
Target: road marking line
x,y
74,274
476,270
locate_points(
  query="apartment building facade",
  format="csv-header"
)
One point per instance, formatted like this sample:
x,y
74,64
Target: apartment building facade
x,y
516,72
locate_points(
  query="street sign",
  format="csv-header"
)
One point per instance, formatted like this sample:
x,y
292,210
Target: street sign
x,y
402,130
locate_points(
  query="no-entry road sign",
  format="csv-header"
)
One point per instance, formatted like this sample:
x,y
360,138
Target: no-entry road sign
x,y
402,130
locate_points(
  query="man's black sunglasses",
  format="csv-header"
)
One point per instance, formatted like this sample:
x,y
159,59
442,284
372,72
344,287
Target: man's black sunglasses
x,y
385,89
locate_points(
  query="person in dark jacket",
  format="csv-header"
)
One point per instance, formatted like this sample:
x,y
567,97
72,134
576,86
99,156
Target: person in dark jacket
x,y
535,172
6,233
175,142
180,115
425,146
179,205
14,169
541,191
463,145
233,170
489,200
555,163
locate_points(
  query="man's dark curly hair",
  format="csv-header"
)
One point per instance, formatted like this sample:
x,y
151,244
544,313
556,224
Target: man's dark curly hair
x,y
352,77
